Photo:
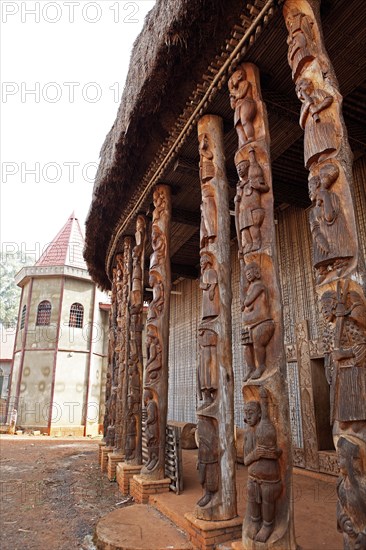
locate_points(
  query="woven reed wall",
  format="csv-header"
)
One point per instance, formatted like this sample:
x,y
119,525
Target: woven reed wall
x,y
299,303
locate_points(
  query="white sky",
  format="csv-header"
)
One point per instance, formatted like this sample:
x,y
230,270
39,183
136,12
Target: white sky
x,y
47,131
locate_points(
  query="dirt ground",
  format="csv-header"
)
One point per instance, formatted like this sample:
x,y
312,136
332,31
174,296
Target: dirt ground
x,y
52,493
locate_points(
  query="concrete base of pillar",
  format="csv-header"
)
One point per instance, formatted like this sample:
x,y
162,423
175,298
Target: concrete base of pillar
x,y
105,451
207,535
113,459
141,489
124,474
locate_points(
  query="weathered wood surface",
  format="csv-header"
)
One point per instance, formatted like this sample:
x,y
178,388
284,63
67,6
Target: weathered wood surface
x,y
133,454
267,438
337,260
215,426
155,393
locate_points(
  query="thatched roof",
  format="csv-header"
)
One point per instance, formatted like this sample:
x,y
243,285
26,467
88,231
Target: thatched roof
x,y
177,43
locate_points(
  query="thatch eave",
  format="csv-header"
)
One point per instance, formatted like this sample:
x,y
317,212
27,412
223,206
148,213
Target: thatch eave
x,y
168,58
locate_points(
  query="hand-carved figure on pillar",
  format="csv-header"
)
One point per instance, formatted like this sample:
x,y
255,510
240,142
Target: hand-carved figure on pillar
x,y
320,138
154,355
137,276
351,490
261,455
331,239
156,305
131,430
208,231
207,370
241,100
151,430
258,323
111,430
300,42
159,246
209,285
208,456
248,206
344,340
134,382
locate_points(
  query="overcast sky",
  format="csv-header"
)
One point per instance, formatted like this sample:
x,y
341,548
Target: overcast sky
x,y
64,64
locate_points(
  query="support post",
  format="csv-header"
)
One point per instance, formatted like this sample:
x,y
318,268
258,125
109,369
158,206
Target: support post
x,y
268,521
124,262
337,260
157,337
133,448
215,381
107,422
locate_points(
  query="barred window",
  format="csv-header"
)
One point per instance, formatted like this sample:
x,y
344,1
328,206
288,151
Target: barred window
x,y
44,313
76,316
22,319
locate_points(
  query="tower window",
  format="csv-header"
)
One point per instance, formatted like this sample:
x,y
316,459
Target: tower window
x,y
76,316
22,319
44,313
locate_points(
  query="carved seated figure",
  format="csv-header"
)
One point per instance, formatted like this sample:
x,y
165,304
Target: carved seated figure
x,y
261,455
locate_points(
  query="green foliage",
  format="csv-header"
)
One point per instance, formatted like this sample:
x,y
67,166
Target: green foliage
x,y
10,265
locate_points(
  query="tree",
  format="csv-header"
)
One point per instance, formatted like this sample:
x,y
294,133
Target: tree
x,y
10,265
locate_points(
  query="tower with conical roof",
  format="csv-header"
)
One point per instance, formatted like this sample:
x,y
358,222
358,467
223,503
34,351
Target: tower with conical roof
x,y
59,360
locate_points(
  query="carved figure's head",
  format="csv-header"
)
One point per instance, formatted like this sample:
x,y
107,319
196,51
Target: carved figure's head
x,y
304,88
252,413
348,457
252,271
242,169
328,304
313,186
148,396
328,174
205,261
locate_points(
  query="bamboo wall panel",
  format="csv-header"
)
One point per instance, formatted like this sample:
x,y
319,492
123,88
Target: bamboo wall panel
x,y
359,174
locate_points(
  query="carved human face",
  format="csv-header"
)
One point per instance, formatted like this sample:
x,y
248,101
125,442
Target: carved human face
x,y
204,262
327,308
313,186
242,169
252,413
252,273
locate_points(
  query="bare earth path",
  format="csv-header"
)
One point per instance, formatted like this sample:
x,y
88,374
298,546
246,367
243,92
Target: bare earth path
x,y
52,493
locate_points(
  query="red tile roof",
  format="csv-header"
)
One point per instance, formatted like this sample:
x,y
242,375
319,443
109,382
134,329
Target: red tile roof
x,y
66,248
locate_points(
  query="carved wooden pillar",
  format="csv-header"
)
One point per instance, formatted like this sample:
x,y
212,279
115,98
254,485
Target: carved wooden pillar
x,y
216,454
339,268
111,358
267,439
157,336
123,348
133,449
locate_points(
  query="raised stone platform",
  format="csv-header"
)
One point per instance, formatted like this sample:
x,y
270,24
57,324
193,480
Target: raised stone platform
x,y
104,452
124,474
206,535
141,489
101,445
138,527
113,460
